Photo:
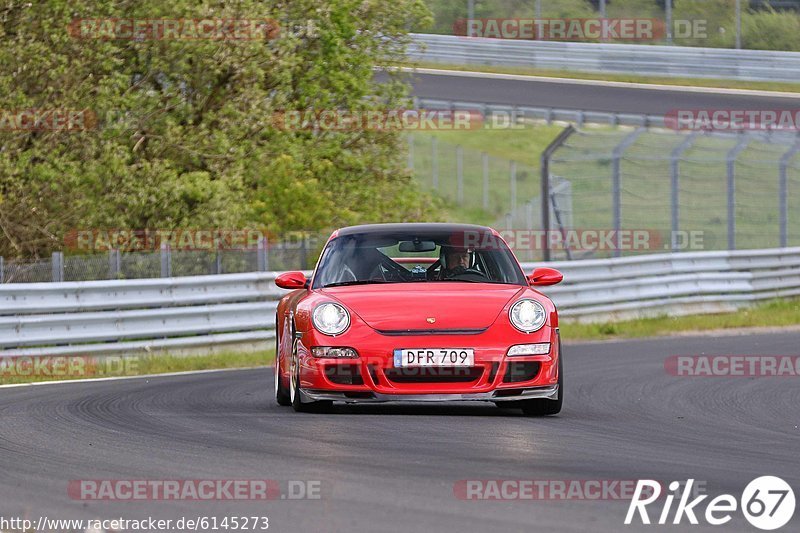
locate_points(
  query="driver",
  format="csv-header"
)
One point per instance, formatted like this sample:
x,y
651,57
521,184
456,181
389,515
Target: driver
x,y
455,261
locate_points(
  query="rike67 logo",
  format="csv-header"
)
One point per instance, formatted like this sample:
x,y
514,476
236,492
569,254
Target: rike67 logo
x,y
768,503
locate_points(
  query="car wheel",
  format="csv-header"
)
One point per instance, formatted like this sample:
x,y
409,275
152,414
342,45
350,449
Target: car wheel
x,y
281,394
294,390
546,407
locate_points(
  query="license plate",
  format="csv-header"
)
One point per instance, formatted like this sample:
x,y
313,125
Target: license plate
x,y
434,357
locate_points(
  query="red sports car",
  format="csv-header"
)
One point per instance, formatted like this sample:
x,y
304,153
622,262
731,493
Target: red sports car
x,y
418,312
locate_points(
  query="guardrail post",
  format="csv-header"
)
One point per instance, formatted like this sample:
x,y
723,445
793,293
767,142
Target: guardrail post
x,y
783,194
114,264
460,174
733,153
545,184
485,164
262,260
616,186
166,260
57,263
435,162
674,173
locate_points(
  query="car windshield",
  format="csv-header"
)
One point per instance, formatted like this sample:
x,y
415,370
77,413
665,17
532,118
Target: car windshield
x,y
417,256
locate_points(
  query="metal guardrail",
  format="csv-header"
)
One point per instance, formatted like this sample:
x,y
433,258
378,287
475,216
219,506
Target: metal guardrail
x,y
674,284
230,310
645,60
102,317
546,114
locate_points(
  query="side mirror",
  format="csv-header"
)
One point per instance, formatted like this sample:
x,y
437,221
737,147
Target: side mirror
x,y
291,280
545,276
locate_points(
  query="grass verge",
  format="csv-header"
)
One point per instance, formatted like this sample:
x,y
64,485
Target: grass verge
x,y
627,78
87,367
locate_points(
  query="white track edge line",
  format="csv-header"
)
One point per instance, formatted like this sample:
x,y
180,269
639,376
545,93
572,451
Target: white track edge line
x,y
120,378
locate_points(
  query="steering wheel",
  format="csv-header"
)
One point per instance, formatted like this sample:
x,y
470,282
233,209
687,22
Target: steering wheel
x,y
390,272
347,275
468,274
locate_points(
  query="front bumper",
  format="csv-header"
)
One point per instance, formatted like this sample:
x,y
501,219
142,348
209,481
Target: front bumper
x,y
372,377
549,393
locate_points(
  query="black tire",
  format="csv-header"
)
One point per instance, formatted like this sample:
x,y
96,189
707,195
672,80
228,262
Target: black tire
x,y
544,406
294,391
281,394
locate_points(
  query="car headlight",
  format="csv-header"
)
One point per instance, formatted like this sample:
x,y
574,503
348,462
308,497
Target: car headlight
x,y
527,315
331,318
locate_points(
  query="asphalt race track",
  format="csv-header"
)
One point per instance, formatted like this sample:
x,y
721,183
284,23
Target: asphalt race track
x,y
592,96
393,467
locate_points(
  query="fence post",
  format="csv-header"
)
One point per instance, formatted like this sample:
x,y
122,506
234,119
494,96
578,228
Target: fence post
x,y
304,254
733,153
114,265
262,261
2,270
545,182
783,195
460,174
411,152
616,186
57,263
166,260
485,161
435,162
674,172
668,19
218,260
513,188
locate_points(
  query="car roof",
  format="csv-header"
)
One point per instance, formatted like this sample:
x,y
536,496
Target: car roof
x,y
413,227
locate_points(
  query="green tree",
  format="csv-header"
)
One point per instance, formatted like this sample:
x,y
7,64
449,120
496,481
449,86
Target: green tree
x,y
185,136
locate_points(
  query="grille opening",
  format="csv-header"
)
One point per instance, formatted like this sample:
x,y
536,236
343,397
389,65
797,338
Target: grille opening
x,y
517,371
493,372
344,374
434,374
373,373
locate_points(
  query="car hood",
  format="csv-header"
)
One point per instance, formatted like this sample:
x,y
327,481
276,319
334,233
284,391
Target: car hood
x,y
404,306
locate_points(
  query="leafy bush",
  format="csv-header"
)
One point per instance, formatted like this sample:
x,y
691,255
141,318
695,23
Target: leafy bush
x,y
185,137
